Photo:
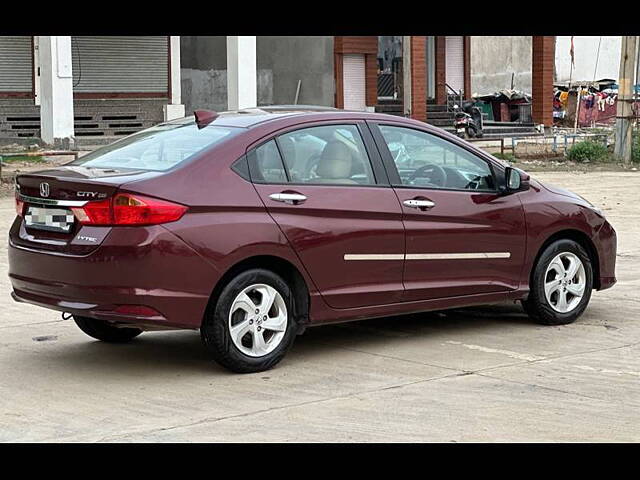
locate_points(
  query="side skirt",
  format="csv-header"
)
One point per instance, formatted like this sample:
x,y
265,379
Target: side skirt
x,y
321,314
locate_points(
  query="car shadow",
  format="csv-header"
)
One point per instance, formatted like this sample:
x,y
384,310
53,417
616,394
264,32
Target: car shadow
x,y
181,353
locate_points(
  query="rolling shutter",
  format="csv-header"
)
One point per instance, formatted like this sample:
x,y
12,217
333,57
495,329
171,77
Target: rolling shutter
x,y
354,82
455,62
138,64
16,65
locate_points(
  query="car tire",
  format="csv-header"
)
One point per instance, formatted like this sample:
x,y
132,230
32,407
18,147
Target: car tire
x,y
101,330
244,352
548,309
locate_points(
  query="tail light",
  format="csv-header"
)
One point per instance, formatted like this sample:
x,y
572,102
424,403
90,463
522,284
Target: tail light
x,y
129,209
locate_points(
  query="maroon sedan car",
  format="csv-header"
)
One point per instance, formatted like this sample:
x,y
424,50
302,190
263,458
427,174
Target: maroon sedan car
x,y
253,225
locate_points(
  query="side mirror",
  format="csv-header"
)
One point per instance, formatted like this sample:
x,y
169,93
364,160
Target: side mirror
x,y
515,181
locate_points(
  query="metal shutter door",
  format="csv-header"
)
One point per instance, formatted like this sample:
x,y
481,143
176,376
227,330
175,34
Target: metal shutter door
x,y
120,64
353,75
455,62
16,68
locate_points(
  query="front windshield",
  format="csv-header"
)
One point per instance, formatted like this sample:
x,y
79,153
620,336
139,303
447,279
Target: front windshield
x,y
157,148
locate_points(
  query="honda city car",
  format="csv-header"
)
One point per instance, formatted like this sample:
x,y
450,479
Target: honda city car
x,y
256,224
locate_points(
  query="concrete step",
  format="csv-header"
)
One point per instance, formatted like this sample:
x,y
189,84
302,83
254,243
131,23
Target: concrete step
x,y
443,122
449,116
439,115
491,123
388,108
516,130
509,135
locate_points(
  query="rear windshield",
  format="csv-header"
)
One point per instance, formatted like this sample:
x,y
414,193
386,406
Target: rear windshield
x,y
157,148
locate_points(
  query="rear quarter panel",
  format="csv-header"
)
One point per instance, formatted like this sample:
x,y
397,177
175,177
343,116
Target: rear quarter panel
x,y
226,221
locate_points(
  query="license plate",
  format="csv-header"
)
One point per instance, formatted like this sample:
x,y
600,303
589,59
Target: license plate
x,y
48,218
460,130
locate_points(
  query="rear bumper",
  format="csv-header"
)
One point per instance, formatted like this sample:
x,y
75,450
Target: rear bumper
x,y
142,266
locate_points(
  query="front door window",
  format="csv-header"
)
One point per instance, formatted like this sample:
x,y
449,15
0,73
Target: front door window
x,y
427,161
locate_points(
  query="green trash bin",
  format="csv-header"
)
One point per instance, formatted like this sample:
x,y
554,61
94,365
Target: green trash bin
x,y
485,108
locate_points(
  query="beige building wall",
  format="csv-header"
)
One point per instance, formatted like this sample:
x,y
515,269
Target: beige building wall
x,y
495,58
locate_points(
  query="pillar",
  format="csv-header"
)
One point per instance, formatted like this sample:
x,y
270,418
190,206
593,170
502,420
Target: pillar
x,y
175,108
242,90
467,68
543,62
441,70
56,92
418,52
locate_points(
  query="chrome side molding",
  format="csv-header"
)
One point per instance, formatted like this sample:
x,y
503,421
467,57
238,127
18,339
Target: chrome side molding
x,y
426,256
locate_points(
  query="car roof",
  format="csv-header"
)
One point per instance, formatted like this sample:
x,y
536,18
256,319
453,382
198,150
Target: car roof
x,y
251,117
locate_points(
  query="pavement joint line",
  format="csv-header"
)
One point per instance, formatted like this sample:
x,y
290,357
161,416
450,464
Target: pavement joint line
x,y
282,407
554,357
486,369
415,362
566,392
459,373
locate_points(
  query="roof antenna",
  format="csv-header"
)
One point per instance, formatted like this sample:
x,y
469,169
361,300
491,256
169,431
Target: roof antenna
x,y
204,117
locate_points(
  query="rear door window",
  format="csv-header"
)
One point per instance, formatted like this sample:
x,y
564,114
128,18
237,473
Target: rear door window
x,y
331,154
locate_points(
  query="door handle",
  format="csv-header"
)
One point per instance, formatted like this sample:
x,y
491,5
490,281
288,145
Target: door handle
x,y
414,203
290,198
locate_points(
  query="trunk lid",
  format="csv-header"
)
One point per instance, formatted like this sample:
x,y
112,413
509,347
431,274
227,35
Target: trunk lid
x,y
48,223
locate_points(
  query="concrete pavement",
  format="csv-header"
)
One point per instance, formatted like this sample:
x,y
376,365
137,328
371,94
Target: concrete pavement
x,y
480,374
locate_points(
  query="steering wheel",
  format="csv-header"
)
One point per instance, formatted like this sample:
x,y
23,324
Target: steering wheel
x,y
474,183
439,179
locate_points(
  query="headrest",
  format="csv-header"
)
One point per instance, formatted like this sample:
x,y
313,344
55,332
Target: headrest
x,y
335,161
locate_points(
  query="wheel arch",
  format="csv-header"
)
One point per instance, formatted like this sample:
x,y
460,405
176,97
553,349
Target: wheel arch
x,y
583,240
284,268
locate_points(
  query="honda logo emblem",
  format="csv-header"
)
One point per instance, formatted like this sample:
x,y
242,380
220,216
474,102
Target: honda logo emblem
x,y
44,189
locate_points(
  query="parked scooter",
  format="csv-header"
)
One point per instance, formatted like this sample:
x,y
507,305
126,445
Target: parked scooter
x,y
467,121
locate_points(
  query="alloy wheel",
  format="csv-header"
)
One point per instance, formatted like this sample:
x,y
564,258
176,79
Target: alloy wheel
x,y
565,282
258,320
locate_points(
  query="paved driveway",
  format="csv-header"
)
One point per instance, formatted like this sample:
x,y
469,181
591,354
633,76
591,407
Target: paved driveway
x,y
481,374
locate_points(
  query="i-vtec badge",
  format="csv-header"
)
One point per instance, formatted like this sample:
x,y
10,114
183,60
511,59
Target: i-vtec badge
x,y
81,238
91,194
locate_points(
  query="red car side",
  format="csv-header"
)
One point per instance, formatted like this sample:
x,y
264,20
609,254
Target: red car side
x,y
253,225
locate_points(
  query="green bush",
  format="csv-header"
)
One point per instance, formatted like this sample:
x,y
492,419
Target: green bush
x,y
587,151
505,156
635,148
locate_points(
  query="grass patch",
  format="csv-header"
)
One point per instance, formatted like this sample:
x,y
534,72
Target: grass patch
x,y
21,158
508,157
588,151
